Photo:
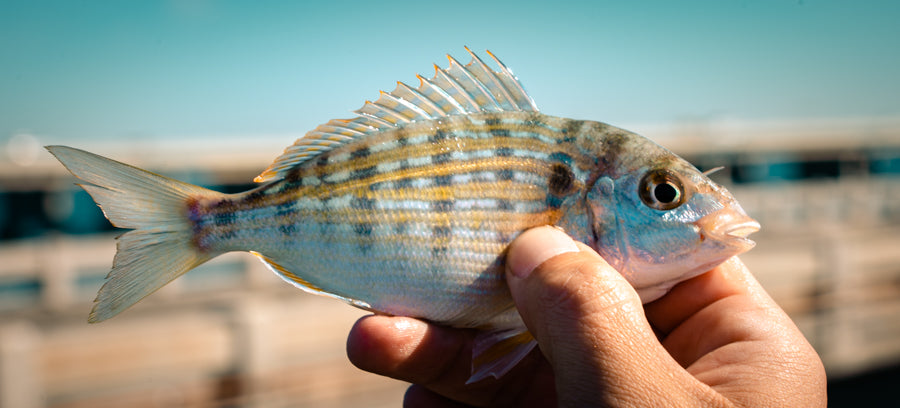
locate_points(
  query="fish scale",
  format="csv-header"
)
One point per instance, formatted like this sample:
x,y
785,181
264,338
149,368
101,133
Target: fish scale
x,y
408,208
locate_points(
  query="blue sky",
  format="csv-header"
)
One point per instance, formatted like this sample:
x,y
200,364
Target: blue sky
x,y
74,70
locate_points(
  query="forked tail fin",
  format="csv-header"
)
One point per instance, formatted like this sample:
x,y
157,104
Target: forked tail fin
x,y
160,247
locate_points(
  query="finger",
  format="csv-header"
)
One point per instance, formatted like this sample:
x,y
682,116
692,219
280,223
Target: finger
x,y
589,323
409,349
566,285
723,306
440,360
692,295
726,331
435,357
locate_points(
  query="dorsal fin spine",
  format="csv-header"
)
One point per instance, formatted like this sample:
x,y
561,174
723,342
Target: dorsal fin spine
x,y
376,119
419,111
423,99
447,97
461,90
354,124
496,81
509,74
475,81
339,132
388,111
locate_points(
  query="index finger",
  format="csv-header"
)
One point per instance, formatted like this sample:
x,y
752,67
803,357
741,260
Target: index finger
x,y
409,349
438,359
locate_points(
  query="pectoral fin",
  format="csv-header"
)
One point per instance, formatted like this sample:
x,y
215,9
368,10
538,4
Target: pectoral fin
x,y
497,351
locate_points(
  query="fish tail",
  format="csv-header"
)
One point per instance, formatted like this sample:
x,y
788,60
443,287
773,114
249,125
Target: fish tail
x,y
160,248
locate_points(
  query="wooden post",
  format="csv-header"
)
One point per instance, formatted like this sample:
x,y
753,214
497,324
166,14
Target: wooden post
x,y
20,383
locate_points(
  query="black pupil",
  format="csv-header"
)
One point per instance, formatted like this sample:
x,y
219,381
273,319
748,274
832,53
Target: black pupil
x,y
665,193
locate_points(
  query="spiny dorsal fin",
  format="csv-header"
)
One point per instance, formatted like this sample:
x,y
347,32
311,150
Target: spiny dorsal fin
x,y
457,90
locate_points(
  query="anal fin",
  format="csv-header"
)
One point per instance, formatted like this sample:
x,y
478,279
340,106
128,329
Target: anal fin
x,y
306,285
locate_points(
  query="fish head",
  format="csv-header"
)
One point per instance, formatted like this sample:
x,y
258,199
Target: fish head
x,y
659,221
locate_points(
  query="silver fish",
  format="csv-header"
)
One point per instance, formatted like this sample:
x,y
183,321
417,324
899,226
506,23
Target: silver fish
x,y
407,208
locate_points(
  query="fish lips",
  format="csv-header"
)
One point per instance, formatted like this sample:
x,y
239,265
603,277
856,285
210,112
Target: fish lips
x,y
729,227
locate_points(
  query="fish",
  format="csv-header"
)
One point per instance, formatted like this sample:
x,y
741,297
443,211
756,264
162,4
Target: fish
x,y
408,208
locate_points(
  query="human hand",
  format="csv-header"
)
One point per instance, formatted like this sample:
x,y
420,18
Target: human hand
x,y
715,340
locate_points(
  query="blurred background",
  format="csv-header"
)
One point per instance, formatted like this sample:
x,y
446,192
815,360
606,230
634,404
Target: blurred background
x,y
798,100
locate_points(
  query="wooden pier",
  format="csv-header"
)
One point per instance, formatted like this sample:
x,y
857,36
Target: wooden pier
x,y
232,334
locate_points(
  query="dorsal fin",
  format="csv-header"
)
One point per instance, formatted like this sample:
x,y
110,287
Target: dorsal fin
x,y
456,90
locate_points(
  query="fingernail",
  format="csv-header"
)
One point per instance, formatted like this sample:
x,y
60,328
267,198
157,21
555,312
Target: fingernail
x,y
535,247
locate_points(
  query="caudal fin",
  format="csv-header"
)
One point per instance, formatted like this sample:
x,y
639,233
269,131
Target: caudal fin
x,y
160,248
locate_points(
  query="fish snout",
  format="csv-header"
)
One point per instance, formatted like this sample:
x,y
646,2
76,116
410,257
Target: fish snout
x,y
729,226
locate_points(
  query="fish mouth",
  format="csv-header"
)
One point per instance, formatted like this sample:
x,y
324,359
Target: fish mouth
x,y
742,230
730,227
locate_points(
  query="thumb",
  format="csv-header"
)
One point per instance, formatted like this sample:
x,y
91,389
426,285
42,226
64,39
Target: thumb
x,y
588,321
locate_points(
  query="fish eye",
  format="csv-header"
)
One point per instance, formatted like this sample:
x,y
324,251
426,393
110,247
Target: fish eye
x,y
661,189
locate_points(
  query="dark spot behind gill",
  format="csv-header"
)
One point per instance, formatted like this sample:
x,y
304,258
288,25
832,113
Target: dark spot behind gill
x,y
561,179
